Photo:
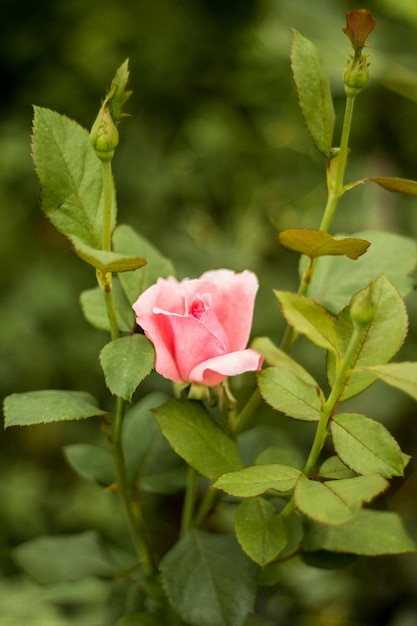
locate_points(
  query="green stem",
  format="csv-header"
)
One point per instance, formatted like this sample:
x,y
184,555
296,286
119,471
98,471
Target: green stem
x,y
189,501
131,506
111,314
206,505
108,204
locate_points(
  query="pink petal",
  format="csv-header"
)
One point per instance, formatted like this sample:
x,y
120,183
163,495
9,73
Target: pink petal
x,y
213,371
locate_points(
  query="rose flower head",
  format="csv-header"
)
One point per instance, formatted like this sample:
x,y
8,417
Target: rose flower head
x,y
200,327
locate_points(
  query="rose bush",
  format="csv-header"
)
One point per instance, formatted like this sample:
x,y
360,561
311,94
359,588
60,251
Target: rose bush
x,y
200,328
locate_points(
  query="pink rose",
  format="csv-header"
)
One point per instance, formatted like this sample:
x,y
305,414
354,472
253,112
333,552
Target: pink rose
x,y
200,327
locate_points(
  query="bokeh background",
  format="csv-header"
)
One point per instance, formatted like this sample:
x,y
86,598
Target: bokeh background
x,y
212,163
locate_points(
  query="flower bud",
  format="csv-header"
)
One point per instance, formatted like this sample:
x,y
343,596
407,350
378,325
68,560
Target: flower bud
x,y
362,309
356,75
104,135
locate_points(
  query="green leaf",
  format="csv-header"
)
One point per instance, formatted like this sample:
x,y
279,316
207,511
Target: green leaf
x,y
94,308
366,446
208,580
402,376
313,92
390,183
336,501
150,461
382,338
197,438
140,619
106,261
255,480
91,462
336,278
127,241
44,407
369,533
260,530
126,362
279,359
70,176
314,243
291,394
310,319
315,500
333,468
65,557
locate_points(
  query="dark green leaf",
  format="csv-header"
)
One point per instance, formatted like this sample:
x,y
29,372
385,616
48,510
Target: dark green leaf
x,y
208,580
91,462
126,362
315,243
260,530
366,446
313,92
70,176
44,407
197,438
127,241
369,533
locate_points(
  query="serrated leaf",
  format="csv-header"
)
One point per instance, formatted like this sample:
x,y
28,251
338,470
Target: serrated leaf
x,y
209,580
197,438
290,394
313,92
310,319
126,362
381,339
127,241
150,461
260,530
94,308
314,243
64,558
366,446
44,407
70,176
279,359
106,261
91,462
256,479
334,469
315,500
336,278
369,533
402,376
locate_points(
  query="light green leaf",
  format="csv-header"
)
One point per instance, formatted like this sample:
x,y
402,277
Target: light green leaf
x,y
334,469
313,92
315,500
310,319
127,241
106,261
65,557
91,462
209,580
197,438
126,362
382,338
95,312
70,175
260,530
256,479
402,376
366,446
150,461
369,533
336,278
290,394
279,359
314,243
44,407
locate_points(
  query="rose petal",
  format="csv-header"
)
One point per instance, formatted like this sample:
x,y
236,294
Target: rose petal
x,y
213,371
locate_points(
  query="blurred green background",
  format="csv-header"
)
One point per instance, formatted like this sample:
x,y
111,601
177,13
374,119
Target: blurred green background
x,y
212,163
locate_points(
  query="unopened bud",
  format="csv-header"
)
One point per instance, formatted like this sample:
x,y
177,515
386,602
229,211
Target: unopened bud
x,y
362,309
356,75
104,135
